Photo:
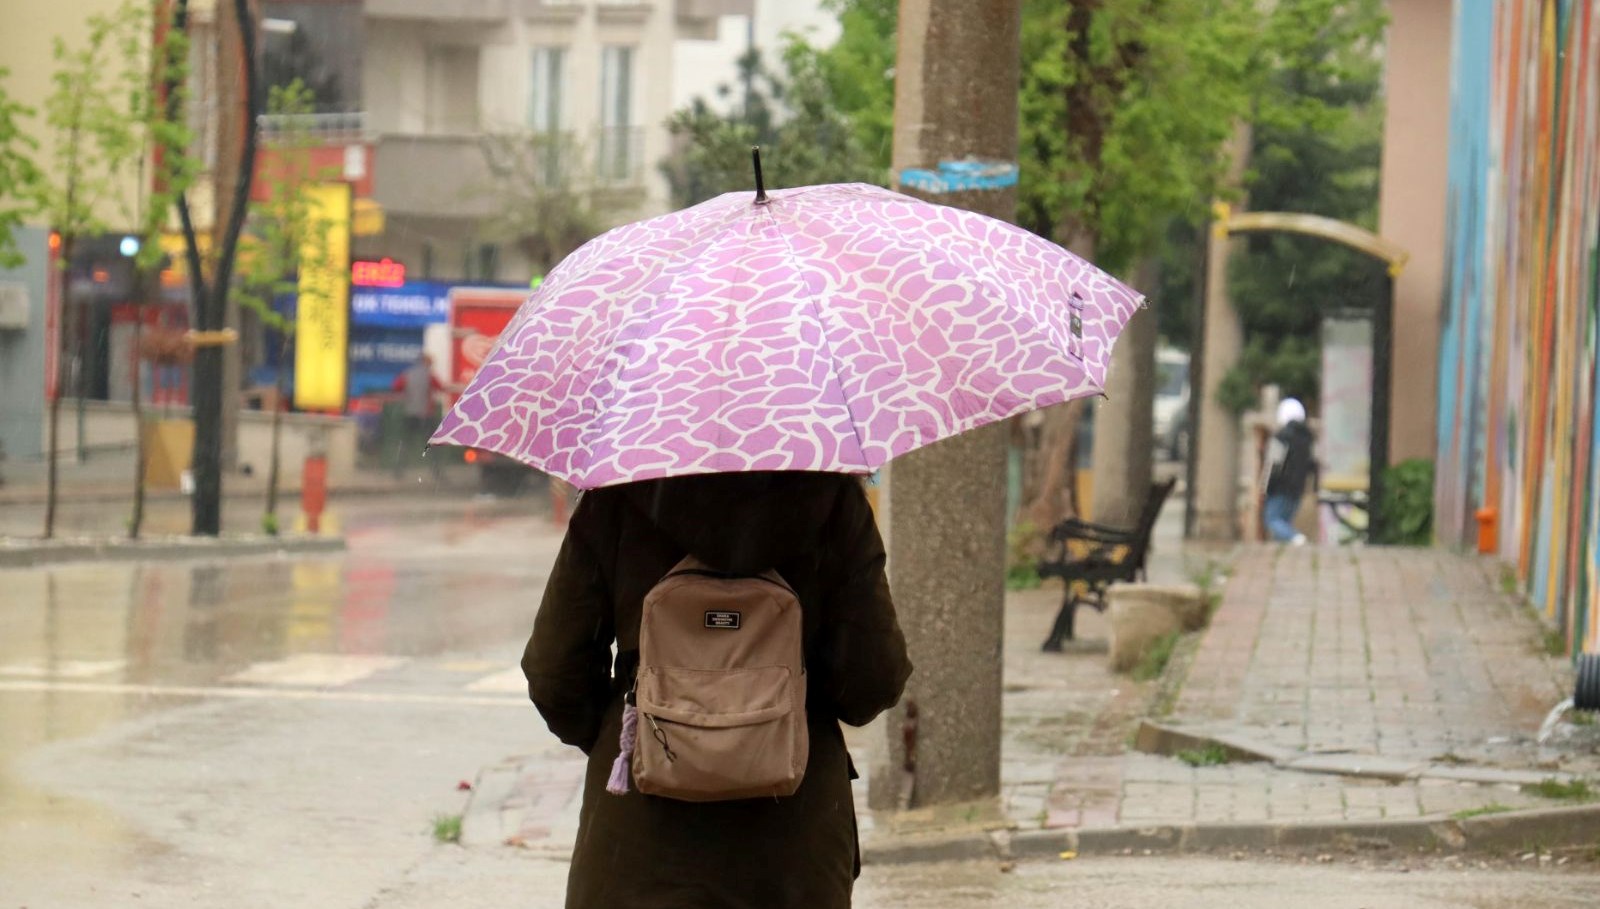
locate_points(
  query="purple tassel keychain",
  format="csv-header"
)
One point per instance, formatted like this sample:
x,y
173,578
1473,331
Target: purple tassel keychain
x,y
620,769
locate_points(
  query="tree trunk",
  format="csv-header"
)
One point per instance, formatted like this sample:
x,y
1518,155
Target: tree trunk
x,y
53,449
210,374
136,521
1053,469
1123,439
1216,435
270,519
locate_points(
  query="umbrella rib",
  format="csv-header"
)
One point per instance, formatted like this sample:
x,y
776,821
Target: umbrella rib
x,y
621,334
827,343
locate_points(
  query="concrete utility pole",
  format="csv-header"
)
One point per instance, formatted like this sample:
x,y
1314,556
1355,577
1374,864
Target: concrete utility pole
x,y
955,97
1216,492
1123,443
1411,211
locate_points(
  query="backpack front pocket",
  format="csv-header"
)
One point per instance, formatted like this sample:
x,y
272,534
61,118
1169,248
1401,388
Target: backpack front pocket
x,y
717,734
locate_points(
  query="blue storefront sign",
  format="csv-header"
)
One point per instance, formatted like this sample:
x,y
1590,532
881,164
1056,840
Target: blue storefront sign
x,y
413,304
379,354
386,326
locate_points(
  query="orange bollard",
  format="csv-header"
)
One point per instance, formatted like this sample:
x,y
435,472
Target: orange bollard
x,y
1488,540
314,490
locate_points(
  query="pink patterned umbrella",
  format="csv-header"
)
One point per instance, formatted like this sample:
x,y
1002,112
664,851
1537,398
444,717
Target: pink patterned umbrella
x,y
828,328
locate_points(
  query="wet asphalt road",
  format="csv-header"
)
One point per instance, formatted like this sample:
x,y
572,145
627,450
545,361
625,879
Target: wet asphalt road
x,y
269,733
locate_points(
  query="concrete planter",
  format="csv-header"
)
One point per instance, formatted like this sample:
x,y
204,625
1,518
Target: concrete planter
x,y
1141,614
169,448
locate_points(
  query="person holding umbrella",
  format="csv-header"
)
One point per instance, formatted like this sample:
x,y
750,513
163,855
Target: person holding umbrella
x,y
719,380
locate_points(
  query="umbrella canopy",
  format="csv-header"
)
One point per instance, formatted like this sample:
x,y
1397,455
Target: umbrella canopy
x,y
826,328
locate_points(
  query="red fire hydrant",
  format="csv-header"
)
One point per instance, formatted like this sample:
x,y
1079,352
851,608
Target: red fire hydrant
x,y
1488,537
314,490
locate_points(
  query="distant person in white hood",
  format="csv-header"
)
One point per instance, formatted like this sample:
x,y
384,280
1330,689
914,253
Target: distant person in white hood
x,y
1291,465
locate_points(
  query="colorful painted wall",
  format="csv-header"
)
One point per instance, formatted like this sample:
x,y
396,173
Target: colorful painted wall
x,y
1518,380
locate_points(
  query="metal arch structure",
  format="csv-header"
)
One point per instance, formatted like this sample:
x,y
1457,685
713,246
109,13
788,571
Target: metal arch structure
x,y
1357,238
1225,223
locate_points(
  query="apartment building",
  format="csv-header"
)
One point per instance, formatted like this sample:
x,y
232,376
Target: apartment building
x,y
451,92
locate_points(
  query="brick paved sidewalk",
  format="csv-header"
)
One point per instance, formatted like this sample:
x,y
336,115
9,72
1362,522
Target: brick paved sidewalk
x,y
1403,653
1406,654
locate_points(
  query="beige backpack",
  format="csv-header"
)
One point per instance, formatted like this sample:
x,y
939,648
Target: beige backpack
x,y
718,708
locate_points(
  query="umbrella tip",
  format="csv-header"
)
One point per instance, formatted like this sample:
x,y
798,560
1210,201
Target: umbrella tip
x,y
761,185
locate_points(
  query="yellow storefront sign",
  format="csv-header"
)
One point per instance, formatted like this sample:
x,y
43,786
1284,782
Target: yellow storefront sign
x,y
322,320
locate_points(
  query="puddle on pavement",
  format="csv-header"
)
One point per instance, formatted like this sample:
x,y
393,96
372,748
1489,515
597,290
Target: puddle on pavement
x,y
438,576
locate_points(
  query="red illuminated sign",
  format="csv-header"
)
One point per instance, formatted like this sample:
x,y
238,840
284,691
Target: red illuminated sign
x,y
385,272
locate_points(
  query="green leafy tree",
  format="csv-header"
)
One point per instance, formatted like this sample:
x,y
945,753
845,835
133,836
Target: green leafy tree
x,y
858,70
792,115
548,200
1126,108
108,132
1316,146
286,234
162,140
19,176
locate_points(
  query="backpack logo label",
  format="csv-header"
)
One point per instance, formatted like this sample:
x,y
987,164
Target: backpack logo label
x,y
722,619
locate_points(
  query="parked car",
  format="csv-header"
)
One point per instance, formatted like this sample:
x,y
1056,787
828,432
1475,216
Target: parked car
x,y
1170,430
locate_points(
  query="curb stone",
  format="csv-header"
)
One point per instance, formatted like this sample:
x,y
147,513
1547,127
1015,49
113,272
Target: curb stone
x,y
1513,830
33,554
349,489
1162,739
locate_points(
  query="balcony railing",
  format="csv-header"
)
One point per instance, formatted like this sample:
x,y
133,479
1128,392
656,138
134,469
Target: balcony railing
x,y
462,11
330,128
540,159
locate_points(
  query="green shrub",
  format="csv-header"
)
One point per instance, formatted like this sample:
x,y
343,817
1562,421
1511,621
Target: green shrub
x,y
1408,503
1022,543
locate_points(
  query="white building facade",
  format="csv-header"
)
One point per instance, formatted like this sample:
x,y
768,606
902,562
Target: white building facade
x,y
446,84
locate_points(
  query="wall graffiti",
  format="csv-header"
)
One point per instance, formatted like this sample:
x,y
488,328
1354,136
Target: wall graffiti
x,y
1518,379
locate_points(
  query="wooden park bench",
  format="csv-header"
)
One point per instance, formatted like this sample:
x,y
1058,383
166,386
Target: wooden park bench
x,y
1091,557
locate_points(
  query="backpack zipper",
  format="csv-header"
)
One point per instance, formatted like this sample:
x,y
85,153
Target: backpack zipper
x,y
672,756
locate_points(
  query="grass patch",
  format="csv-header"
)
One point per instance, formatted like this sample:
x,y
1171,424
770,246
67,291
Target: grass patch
x,y
1582,718
1208,578
1554,643
1575,791
1022,577
1508,581
1154,662
1023,544
447,828
1210,756
1495,808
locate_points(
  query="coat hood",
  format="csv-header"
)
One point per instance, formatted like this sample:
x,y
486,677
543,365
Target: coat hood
x,y
1290,410
741,522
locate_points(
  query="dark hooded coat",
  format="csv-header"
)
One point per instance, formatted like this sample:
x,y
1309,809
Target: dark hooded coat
x,y
1293,461
645,852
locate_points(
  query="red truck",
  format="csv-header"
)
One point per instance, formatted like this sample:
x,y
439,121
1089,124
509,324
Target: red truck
x,y
477,317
